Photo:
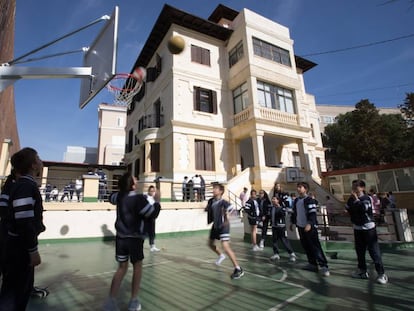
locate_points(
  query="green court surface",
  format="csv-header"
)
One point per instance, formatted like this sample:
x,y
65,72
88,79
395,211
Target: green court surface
x,y
183,276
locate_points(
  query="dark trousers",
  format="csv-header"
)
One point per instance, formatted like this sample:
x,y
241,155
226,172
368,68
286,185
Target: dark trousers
x,y
368,239
313,249
151,231
279,233
264,228
18,277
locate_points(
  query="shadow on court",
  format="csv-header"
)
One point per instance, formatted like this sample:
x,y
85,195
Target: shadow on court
x,y
183,276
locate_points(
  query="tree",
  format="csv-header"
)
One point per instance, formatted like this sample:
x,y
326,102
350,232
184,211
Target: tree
x,y
407,110
364,137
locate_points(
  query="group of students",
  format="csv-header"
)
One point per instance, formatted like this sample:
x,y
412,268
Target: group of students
x,y
22,222
303,214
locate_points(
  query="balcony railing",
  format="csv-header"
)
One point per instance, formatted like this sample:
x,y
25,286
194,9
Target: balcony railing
x,y
150,121
268,115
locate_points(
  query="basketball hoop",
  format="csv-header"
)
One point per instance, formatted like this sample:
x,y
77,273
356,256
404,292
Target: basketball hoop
x,y
125,86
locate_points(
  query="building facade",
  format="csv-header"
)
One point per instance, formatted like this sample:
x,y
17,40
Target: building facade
x,y
111,134
231,107
8,123
328,113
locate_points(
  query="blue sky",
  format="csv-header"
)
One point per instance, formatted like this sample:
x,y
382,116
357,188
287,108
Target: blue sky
x,y
47,110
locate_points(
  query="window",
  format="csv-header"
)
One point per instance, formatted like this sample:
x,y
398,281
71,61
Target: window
x,y
328,119
296,159
236,54
155,157
130,140
240,98
312,131
272,52
200,55
120,122
204,155
137,167
205,100
275,97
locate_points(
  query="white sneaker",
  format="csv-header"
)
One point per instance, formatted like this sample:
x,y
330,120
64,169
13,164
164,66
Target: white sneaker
x,y
325,271
292,257
154,249
256,248
261,245
382,279
220,259
275,257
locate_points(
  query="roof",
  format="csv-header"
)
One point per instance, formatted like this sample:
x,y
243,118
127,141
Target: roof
x,y
170,15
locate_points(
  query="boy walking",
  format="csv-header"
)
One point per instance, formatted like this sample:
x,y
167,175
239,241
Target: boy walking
x,y
359,207
218,210
304,217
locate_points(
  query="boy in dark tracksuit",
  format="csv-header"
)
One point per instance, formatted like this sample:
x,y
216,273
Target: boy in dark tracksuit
x,y
278,219
132,210
304,217
218,210
359,207
24,224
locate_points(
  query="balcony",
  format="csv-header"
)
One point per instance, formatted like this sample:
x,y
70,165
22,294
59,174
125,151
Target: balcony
x,y
150,121
266,114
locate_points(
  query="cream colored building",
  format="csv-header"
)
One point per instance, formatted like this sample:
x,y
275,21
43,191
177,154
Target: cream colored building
x,y
111,134
328,113
231,107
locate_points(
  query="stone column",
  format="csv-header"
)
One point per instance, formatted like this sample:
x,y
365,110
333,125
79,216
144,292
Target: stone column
x,y
90,188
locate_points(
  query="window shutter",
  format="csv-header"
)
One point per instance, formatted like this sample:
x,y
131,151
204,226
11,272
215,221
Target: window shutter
x,y
214,101
196,94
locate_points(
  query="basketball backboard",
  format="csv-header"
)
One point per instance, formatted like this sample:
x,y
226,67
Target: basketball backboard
x,y
101,57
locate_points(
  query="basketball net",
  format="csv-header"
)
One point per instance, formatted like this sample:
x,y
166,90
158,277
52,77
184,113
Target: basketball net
x,y
125,86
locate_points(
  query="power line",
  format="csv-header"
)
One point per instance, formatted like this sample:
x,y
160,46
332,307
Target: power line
x,y
370,89
359,46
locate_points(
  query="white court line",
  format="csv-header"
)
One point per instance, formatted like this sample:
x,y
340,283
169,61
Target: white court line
x,y
281,280
145,265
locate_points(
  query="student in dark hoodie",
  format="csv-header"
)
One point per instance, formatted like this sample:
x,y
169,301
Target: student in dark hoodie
x,y
359,206
132,209
278,219
304,217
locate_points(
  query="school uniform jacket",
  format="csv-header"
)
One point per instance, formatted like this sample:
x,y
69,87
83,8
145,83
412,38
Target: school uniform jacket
x,y
217,211
278,216
132,209
250,209
360,211
25,209
310,211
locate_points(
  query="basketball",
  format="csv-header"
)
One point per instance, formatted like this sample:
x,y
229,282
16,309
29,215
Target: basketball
x,y
140,74
176,44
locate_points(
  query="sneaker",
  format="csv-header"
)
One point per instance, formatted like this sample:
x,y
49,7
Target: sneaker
x,y
134,305
220,259
154,249
39,292
382,279
359,274
256,248
310,267
261,245
325,271
237,274
110,305
292,257
275,257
